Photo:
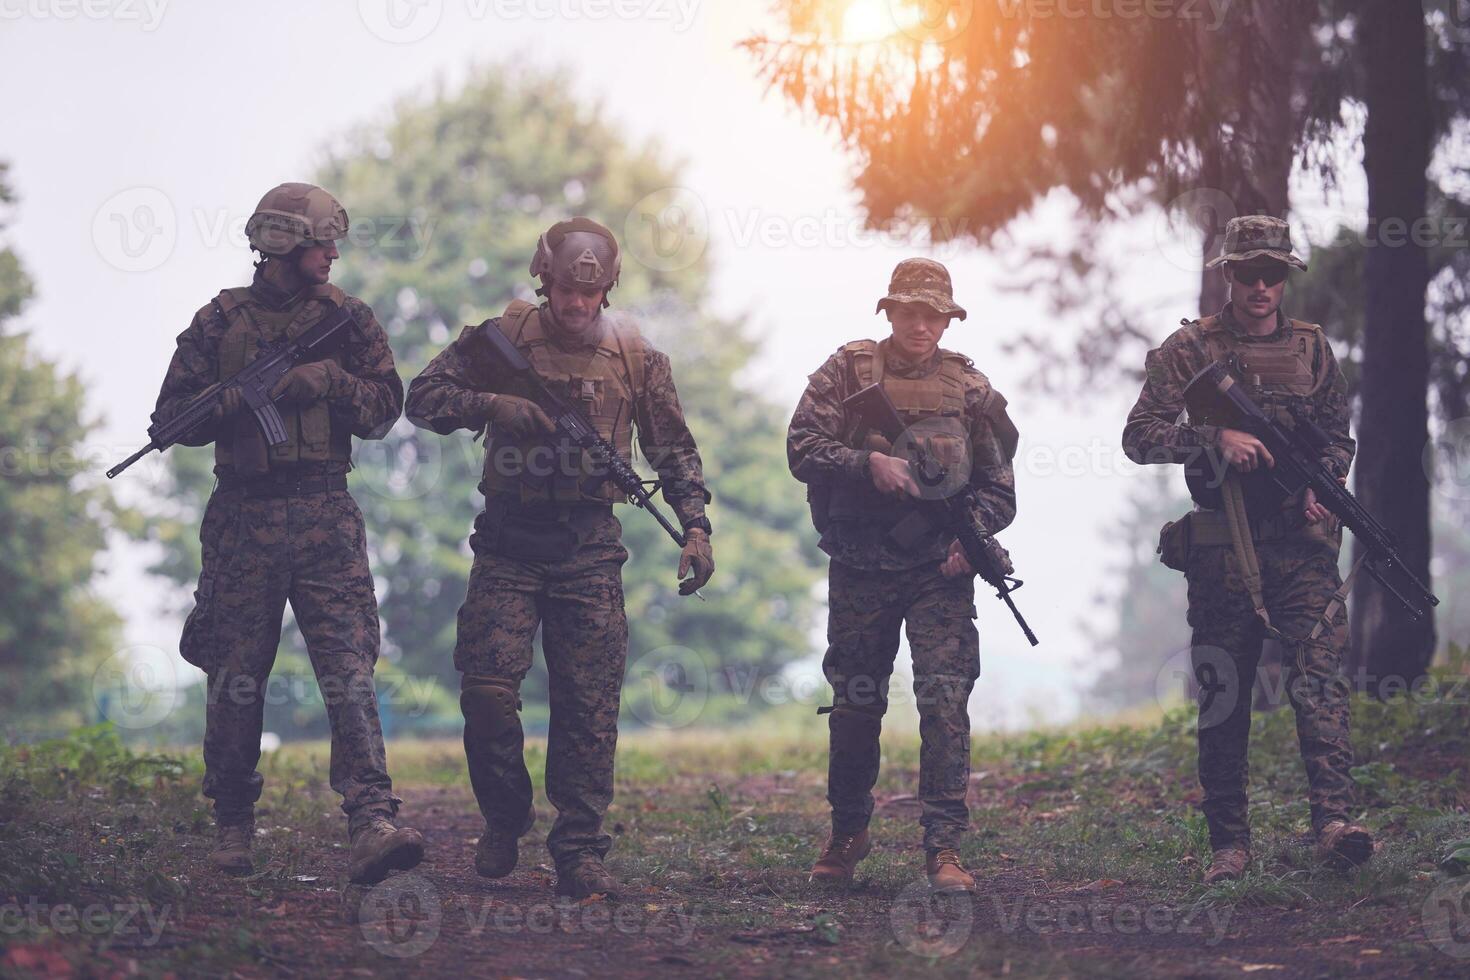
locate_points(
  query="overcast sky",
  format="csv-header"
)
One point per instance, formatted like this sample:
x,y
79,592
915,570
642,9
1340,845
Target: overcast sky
x,y
141,134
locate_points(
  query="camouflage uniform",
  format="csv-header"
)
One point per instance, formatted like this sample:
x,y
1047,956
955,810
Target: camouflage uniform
x,y
265,543
556,566
1298,564
876,584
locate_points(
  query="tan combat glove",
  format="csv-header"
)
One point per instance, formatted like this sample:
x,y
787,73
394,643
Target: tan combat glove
x,y
305,383
698,555
516,417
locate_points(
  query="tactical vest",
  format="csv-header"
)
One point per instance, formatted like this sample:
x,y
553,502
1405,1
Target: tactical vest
x,y
933,412
310,434
1275,372
601,382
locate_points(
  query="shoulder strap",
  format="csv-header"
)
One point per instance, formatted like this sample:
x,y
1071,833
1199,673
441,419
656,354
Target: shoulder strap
x,y
515,318
330,293
228,299
628,343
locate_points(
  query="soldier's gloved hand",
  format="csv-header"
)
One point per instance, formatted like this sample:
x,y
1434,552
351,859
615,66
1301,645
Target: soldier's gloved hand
x,y
304,383
892,475
229,404
699,556
518,417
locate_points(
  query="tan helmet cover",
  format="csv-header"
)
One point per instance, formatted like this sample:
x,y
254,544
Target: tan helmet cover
x,y
295,214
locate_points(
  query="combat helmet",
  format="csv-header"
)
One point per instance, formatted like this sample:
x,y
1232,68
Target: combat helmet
x,y
579,253
295,214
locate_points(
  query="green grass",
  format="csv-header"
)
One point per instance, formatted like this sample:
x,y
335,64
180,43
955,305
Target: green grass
x,y
725,823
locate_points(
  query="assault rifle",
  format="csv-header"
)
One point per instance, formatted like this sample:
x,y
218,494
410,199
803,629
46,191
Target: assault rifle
x,y
953,511
571,425
254,382
1214,397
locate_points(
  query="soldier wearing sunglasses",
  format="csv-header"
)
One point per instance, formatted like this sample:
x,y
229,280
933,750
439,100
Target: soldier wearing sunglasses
x,y
1257,571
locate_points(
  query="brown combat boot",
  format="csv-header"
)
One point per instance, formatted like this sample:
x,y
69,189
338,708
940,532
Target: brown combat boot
x,y
840,858
1344,844
585,877
946,874
1227,864
231,852
497,852
378,847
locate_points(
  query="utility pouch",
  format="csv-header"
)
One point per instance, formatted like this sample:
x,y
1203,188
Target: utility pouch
x,y
1174,542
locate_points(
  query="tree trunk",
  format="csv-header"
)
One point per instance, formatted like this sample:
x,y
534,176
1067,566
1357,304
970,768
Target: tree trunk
x,y
1390,648
1253,88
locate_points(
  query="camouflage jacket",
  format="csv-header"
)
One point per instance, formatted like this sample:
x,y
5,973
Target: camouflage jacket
x,y
1155,433
817,454
449,394
367,398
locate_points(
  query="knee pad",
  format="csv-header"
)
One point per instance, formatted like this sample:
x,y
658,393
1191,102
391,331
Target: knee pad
x,y
490,704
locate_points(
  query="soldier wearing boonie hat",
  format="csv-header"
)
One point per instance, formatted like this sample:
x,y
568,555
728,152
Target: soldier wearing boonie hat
x,y
1273,571
891,567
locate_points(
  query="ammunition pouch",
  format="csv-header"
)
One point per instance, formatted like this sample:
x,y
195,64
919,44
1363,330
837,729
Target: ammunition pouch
x,y
1211,529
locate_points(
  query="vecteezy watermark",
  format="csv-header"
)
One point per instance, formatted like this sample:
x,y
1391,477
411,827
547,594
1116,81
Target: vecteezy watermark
x,y
401,916
410,696
135,230
1212,12
667,230
571,918
1445,915
668,688
1097,916
137,687
409,21
1202,214
1211,677
931,924
1447,460
1205,674
148,14
119,919
138,229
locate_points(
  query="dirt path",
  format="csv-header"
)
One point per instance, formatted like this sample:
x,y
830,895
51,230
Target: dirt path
x,y
442,919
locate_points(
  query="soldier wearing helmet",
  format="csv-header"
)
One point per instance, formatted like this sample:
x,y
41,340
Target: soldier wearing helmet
x,y
1258,570
548,551
281,527
890,566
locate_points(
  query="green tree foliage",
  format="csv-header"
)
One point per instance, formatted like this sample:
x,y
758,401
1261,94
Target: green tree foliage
x,y
447,198
54,630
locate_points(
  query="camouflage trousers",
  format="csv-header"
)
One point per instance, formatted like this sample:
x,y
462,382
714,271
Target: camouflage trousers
x,y
866,609
577,604
259,554
1299,575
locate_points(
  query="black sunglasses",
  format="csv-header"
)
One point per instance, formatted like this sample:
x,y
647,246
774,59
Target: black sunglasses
x,y
1270,273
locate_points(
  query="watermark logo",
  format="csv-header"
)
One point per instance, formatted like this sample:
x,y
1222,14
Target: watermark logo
x,y
931,924
1447,460
1446,918
137,687
401,916
667,688
135,230
400,21
667,230
1206,675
